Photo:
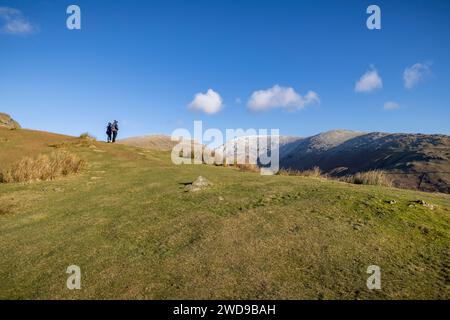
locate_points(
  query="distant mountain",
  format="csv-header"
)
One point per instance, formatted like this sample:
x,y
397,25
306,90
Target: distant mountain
x,y
8,122
253,143
415,161
307,153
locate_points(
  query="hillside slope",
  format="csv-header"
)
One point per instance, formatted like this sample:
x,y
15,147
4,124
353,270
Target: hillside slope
x,y
134,232
15,144
156,142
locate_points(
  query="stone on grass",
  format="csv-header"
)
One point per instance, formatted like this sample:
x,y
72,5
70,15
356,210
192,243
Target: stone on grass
x,y
422,203
199,184
425,204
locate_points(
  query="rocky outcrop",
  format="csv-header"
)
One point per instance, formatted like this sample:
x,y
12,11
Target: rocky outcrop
x,y
7,122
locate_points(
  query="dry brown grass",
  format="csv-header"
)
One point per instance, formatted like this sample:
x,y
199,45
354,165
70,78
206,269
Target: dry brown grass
x,y
16,144
248,167
374,177
155,142
84,140
43,167
314,173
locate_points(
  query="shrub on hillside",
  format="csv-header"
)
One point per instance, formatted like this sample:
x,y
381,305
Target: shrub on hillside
x,y
374,177
87,136
43,167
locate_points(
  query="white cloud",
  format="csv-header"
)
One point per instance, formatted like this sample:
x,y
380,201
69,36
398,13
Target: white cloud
x,y
369,81
209,102
280,97
391,105
416,73
12,21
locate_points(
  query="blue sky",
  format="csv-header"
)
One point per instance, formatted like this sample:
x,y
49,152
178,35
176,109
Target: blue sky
x,y
143,62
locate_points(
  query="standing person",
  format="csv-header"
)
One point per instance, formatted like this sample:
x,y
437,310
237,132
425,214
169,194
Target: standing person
x,y
109,131
115,130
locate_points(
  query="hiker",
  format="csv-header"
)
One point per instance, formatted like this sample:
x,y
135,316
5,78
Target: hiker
x,y
109,131
115,130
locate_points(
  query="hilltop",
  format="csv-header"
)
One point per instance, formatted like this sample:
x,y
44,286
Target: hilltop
x,y
127,221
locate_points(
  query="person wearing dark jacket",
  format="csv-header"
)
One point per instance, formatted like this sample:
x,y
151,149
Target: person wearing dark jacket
x,y
115,130
109,131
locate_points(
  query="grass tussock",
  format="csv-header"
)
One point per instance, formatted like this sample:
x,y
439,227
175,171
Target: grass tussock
x,y
87,136
374,177
247,167
84,140
43,167
313,173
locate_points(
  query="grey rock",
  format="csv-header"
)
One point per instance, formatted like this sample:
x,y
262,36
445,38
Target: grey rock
x,y
199,184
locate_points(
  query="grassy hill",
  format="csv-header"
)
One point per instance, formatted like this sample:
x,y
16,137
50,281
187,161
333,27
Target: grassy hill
x,y
127,222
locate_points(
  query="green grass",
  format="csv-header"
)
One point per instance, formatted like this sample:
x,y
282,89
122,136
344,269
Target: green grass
x,y
126,221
